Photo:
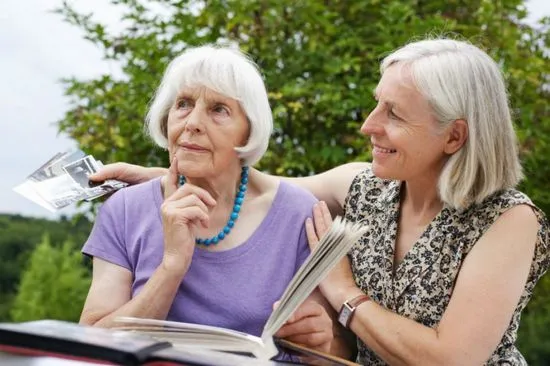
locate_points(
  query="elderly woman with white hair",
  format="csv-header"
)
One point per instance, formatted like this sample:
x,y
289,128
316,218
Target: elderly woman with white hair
x,y
213,241
454,250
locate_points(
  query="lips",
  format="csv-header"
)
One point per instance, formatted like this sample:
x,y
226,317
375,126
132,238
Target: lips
x,y
383,150
193,147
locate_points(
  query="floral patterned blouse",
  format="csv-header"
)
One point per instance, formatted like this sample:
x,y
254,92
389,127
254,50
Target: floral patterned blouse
x,y
423,282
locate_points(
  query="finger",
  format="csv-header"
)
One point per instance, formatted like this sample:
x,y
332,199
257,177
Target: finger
x,y
172,179
326,213
111,171
311,339
188,201
188,189
318,219
192,215
308,309
312,238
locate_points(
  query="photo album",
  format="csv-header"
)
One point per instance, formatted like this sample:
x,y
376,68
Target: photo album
x,y
139,340
63,180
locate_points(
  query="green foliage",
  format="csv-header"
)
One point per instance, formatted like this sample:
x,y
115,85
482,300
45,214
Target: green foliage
x,y
320,60
534,333
53,286
18,238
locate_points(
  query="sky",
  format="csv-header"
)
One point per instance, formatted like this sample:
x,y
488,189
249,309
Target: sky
x,y
37,49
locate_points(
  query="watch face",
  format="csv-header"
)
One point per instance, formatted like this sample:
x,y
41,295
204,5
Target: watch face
x,y
344,315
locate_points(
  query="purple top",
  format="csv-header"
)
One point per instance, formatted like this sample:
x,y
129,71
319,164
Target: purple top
x,y
233,289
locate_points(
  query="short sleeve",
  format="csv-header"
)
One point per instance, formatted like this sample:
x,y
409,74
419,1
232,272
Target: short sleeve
x,y
303,248
107,239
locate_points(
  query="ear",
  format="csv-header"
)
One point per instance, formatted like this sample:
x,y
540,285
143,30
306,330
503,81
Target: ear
x,y
457,135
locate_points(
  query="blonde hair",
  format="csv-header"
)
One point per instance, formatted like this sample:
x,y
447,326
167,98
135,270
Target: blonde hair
x,y
460,81
226,71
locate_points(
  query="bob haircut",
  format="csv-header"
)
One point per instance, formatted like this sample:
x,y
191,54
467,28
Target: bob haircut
x,y
460,81
226,71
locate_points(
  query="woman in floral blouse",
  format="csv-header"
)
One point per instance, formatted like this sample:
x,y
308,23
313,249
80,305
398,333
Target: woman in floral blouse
x,y
453,251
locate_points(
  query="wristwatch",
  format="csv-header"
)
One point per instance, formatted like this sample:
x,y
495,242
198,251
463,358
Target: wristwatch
x,y
348,309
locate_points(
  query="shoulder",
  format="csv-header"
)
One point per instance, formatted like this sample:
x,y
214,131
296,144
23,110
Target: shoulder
x,y
511,212
294,195
133,198
495,205
366,189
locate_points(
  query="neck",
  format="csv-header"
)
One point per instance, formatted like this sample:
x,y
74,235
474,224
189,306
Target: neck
x,y
222,187
421,199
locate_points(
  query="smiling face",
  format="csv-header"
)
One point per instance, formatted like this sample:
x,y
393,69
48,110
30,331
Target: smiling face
x,y
407,140
203,129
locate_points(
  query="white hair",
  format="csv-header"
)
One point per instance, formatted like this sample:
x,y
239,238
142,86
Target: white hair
x,y
460,81
226,71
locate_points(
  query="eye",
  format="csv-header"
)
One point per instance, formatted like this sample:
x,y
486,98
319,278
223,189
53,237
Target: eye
x,y
392,115
183,103
221,109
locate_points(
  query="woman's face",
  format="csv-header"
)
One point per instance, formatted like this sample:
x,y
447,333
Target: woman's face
x,y
407,142
203,129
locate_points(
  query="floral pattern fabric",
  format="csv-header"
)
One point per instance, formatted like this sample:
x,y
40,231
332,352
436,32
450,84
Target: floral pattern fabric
x,y
423,282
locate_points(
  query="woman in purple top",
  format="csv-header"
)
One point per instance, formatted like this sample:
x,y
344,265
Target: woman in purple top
x,y
213,241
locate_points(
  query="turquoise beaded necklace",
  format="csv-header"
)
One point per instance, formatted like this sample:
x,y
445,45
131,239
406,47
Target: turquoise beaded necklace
x,y
239,198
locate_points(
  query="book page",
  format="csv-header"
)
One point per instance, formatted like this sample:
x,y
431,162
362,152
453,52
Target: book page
x,y
332,247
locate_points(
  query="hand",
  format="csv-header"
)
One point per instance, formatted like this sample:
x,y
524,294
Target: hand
x,y
310,325
340,278
129,173
182,211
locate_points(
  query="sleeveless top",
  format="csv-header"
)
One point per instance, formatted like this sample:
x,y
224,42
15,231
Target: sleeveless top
x,y
423,282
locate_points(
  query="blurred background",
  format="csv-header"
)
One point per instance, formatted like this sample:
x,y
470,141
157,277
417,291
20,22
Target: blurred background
x,y
81,74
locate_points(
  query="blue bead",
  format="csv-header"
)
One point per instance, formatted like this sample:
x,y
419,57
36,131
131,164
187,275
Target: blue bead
x,y
239,199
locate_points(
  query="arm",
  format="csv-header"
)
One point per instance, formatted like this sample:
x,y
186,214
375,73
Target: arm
x,y
129,173
486,293
331,186
314,324
110,294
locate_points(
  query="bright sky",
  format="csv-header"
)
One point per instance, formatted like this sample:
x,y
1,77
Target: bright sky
x,y
38,49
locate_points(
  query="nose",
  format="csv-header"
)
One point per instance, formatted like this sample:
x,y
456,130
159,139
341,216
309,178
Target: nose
x,y
373,123
195,120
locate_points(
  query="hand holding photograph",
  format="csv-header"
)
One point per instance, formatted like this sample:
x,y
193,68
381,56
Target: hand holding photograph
x,y
63,180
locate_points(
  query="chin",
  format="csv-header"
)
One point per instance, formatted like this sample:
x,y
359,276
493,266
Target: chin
x,y
383,172
192,168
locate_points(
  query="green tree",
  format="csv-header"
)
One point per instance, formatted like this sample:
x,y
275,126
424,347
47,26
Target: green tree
x,y
320,60
54,284
19,236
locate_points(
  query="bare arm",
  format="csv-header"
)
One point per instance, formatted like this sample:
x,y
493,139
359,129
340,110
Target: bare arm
x,y
110,294
486,293
331,186
314,324
129,173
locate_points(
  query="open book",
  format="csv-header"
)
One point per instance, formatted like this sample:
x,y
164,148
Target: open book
x,y
330,250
